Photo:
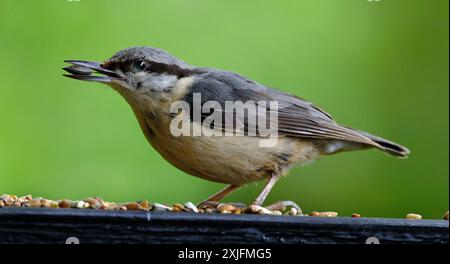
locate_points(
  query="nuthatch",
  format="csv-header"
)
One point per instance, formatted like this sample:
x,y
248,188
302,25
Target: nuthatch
x,y
151,80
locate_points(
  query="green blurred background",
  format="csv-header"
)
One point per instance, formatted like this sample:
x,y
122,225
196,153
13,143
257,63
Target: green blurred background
x,y
379,66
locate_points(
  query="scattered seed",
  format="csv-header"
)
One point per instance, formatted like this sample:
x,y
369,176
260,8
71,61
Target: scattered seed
x,y
132,206
99,199
225,207
109,206
120,208
35,203
191,207
253,209
81,205
45,203
4,197
54,204
264,211
7,199
314,213
177,207
276,212
258,209
161,208
93,203
293,211
413,216
323,214
27,197
144,204
64,203
237,211
328,214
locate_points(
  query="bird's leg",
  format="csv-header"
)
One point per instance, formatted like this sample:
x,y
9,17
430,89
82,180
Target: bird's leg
x,y
267,188
280,205
213,200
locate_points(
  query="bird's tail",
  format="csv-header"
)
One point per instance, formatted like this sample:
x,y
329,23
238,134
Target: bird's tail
x,y
387,146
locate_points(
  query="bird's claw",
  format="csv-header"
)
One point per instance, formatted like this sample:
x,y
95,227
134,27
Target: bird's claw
x,y
283,205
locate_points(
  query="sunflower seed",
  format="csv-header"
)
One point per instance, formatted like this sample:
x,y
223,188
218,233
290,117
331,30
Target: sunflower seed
x,y
161,208
81,205
258,209
191,207
413,216
276,212
225,207
324,214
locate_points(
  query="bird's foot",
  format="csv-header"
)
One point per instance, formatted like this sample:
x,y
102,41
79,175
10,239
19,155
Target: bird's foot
x,y
280,206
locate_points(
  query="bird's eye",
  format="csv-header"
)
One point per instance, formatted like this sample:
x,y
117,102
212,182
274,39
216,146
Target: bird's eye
x,y
139,66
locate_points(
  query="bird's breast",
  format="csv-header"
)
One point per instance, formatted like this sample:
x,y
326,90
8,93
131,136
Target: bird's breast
x,y
228,159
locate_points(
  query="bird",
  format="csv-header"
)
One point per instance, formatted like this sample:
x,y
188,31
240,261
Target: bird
x,y
151,81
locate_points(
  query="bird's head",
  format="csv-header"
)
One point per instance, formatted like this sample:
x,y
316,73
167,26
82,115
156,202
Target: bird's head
x,y
141,70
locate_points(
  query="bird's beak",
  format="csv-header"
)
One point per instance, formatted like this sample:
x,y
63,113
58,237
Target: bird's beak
x,y
85,70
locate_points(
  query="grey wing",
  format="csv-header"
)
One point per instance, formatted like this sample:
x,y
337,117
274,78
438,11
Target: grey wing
x,y
296,117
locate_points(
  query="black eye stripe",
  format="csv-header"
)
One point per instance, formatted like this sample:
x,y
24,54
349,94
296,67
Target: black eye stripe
x,y
152,67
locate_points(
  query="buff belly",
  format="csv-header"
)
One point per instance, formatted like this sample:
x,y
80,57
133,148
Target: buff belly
x,y
232,159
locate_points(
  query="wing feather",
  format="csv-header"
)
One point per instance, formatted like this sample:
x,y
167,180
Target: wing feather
x,y
296,117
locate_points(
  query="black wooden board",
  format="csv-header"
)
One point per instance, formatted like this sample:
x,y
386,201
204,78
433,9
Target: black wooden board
x,y
39,225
